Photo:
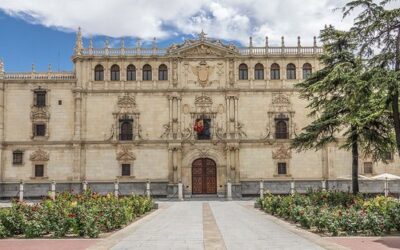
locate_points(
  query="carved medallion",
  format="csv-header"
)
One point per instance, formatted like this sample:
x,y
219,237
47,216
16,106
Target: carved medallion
x,y
39,155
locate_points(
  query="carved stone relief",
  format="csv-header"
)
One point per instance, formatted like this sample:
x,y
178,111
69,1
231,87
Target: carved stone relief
x,y
39,114
125,153
39,155
203,72
282,153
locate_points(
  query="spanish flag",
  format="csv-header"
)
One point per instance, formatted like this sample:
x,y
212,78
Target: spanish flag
x,y
199,126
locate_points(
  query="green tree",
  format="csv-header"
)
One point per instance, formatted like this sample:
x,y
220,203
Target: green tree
x,y
341,103
377,32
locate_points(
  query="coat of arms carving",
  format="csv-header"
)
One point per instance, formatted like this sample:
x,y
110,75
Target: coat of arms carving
x,y
125,154
282,153
39,155
203,72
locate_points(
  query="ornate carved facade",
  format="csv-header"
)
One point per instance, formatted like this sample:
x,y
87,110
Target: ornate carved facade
x,y
150,113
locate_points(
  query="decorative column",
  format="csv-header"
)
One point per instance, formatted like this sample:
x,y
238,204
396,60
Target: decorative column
x,y
170,99
237,165
228,163
236,101
171,169
179,99
77,137
175,162
175,115
179,163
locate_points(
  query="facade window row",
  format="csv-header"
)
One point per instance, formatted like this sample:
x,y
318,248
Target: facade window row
x,y
115,73
39,169
275,71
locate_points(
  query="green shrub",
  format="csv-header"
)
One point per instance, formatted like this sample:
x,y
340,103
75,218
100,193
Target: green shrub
x,y
87,215
336,212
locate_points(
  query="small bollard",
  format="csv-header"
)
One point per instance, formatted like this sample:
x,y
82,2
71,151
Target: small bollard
x,y
180,191
323,185
53,190
148,189
229,191
261,189
116,188
84,184
21,191
292,187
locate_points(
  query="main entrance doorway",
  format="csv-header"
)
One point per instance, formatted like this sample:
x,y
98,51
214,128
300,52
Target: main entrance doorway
x,y
204,176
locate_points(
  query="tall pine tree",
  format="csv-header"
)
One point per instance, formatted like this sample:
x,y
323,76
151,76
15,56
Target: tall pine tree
x,y
377,31
341,104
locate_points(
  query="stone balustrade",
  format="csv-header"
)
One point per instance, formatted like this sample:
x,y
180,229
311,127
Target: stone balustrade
x,y
40,76
257,51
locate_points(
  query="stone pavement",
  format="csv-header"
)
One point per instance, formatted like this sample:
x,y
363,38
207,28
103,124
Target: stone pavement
x,y
211,225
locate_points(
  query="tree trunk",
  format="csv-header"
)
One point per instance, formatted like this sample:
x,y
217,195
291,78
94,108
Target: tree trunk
x,y
395,96
354,154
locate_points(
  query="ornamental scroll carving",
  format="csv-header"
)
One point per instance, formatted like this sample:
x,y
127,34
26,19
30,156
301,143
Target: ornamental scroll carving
x,y
280,99
282,153
126,104
202,50
39,155
39,114
125,153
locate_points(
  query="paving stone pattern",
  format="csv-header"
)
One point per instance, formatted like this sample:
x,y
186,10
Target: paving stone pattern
x,y
211,225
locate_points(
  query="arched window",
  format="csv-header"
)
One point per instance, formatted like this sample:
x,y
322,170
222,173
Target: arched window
x,y
275,71
281,131
147,73
307,70
243,72
99,73
131,72
259,71
281,127
163,72
115,73
126,132
291,71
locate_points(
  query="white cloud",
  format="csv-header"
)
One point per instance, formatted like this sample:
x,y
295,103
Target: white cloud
x,y
223,19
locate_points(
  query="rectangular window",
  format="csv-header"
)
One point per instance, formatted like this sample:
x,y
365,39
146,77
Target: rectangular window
x,y
389,156
126,170
39,170
367,167
40,130
40,98
282,168
17,157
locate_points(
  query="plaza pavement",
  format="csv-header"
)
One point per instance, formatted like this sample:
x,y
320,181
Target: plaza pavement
x,y
212,225
208,225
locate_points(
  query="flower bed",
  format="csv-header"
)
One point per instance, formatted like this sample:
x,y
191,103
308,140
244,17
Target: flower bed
x,y
83,215
336,213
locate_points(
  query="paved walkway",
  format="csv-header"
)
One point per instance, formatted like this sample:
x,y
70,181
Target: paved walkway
x,y
211,225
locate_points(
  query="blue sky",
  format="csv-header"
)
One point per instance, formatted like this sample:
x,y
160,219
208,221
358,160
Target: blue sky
x,y
42,32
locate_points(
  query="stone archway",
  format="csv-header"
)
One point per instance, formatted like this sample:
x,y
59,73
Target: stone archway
x,y
204,176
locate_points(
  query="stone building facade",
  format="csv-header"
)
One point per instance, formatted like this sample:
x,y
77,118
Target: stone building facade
x,y
202,113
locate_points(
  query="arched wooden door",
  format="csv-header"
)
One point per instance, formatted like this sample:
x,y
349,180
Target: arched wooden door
x,y
204,176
